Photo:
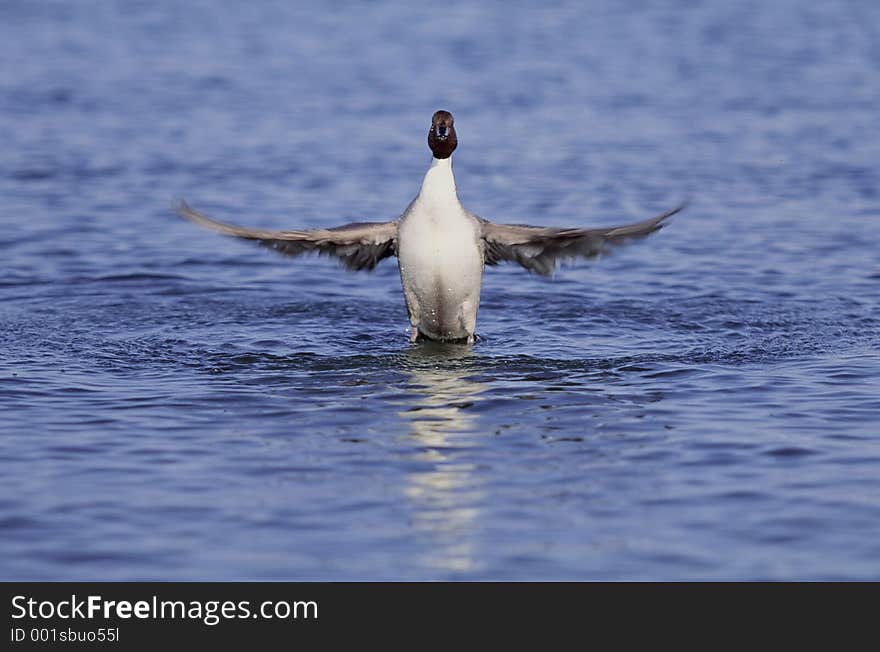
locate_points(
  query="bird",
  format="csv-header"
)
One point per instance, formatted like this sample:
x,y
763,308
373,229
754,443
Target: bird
x,y
442,248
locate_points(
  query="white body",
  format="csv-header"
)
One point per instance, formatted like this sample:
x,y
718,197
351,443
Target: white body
x,y
441,260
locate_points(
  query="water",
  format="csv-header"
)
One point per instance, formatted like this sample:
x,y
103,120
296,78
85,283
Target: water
x,y
702,405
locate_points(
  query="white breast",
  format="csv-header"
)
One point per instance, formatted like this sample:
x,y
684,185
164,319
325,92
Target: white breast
x,y
441,265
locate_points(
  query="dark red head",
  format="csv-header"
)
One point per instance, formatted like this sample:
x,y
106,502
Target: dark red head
x,y
441,137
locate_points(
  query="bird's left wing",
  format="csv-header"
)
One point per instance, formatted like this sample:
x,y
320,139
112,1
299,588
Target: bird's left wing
x,y
359,246
539,248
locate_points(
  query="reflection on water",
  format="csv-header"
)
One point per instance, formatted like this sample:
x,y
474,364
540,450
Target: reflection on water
x,y
447,494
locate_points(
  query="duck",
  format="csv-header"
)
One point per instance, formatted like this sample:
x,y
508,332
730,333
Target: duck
x,y
442,249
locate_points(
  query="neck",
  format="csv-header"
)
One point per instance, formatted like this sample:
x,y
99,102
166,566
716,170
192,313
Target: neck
x,y
439,183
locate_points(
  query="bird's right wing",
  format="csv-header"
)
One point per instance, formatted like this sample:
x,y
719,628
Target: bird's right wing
x,y
358,246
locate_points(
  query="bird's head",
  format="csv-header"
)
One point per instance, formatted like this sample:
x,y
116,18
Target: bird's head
x,y
441,136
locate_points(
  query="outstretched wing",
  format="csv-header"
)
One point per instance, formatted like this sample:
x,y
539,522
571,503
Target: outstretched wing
x,y
539,248
359,246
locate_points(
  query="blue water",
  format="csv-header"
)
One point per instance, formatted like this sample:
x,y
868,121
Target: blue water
x,y
704,404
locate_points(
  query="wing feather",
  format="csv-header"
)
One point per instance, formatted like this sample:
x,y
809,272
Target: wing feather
x,y
359,246
539,249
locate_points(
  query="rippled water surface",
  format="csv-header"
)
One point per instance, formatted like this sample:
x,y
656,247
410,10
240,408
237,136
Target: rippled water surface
x,y
702,405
